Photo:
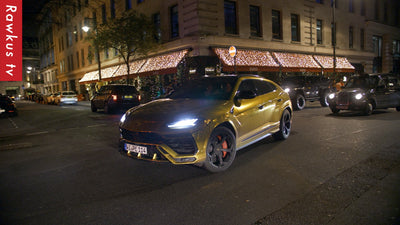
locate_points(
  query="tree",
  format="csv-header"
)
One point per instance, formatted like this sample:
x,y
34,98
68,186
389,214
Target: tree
x,y
132,35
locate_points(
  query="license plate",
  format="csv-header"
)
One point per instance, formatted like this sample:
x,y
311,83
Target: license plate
x,y
136,148
128,96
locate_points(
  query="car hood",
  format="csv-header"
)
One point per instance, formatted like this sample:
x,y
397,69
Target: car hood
x,y
156,115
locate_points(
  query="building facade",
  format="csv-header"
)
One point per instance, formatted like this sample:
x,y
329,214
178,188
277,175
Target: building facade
x,y
365,33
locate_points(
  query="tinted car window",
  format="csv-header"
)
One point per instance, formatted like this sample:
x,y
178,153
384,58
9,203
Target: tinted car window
x,y
209,88
122,90
264,87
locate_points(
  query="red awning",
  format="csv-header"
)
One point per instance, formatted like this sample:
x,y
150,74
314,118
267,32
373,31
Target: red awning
x,y
295,62
247,60
342,64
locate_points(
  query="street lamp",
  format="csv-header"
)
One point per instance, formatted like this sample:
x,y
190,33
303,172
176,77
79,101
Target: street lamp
x,y
334,36
86,29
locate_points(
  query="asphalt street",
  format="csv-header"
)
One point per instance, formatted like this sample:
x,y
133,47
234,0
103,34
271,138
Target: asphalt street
x,y
60,165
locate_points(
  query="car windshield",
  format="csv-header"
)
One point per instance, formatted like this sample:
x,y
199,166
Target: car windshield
x,y
219,88
358,82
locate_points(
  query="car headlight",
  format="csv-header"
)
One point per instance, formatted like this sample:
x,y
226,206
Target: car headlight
x,y
123,118
287,90
331,96
358,96
182,124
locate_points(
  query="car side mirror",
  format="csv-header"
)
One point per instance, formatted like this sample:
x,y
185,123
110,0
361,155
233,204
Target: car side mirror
x,y
246,95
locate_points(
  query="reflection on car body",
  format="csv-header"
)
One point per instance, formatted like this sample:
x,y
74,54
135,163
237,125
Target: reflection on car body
x,y
367,92
206,121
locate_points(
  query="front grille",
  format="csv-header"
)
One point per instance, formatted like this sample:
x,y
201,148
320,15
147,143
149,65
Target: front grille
x,y
143,137
343,98
180,143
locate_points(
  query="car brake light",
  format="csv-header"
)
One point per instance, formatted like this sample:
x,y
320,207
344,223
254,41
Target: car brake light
x,y
139,97
114,97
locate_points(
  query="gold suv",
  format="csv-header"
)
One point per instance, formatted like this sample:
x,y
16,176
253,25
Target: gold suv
x,y
206,121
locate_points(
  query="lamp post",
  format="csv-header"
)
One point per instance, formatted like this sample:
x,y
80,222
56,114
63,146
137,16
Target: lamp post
x,y
86,29
334,36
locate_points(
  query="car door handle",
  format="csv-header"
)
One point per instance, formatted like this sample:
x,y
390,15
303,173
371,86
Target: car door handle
x,y
260,107
279,100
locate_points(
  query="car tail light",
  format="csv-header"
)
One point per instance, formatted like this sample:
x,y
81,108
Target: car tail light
x,y
114,97
139,97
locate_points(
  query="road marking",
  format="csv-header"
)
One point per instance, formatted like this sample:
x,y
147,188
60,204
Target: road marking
x,y
13,123
37,133
15,146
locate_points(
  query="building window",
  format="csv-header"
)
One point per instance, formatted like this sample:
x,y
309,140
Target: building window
x,y
319,32
230,17
106,53
77,59
255,26
362,39
276,25
335,3
362,7
103,13
351,35
319,1
90,55
376,14
385,9
76,33
64,85
157,26
128,5
377,47
295,27
83,57
112,8
396,47
69,36
351,6
174,21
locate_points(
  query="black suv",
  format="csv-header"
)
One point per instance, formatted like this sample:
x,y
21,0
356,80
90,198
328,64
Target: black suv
x,y
115,97
310,88
367,92
7,106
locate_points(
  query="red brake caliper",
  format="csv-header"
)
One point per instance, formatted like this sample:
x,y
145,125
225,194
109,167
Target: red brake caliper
x,y
224,146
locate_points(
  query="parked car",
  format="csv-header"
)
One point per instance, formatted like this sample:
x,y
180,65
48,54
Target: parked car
x,y
307,88
68,97
367,92
115,97
206,121
7,106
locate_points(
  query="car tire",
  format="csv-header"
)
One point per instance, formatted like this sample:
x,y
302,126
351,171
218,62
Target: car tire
x,y
335,110
93,108
300,102
107,109
221,150
368,109
285,126
324,100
